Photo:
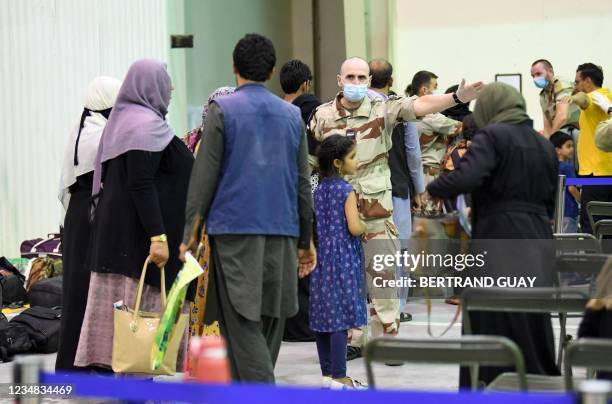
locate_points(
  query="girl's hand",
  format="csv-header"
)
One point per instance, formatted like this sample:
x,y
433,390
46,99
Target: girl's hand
x,y
158,253
307,261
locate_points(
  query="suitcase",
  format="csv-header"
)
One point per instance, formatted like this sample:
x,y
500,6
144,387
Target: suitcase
x,y
46,293
38,247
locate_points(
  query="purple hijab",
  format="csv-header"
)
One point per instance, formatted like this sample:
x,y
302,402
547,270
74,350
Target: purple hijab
x,y
137,121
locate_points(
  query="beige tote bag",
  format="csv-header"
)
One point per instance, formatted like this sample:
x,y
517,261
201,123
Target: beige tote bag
x,y
135,332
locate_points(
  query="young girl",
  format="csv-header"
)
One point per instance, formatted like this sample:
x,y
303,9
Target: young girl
x,y
337,293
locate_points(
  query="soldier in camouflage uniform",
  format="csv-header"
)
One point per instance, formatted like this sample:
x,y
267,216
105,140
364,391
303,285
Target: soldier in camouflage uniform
x,y
557,114
371,123
435,132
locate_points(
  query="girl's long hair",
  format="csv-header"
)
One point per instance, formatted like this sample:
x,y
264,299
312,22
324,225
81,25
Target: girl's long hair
x,y
334,147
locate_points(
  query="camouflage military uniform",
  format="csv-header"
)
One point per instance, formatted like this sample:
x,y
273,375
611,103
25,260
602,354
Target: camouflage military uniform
x,y
548,102
434,131
371,124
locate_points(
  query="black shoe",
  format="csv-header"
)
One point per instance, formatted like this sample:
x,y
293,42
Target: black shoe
x,y
405,317
352,352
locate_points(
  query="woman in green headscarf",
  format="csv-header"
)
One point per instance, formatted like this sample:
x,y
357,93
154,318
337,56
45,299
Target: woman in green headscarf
x,y
511,172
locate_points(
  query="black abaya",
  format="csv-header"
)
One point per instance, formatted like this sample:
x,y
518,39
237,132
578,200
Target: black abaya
x,y
511,172
75,282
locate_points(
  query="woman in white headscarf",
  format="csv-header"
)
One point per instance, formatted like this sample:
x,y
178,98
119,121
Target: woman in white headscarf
x,y
75,194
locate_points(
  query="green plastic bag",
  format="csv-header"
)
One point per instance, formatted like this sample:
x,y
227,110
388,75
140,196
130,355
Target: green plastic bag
x,y
190,271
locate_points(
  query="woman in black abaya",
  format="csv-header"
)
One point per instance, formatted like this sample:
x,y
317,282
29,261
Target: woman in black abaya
x,y
511,172
75,194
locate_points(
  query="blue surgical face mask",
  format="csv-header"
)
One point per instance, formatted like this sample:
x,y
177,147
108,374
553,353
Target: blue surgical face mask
x,y
540,82
354,92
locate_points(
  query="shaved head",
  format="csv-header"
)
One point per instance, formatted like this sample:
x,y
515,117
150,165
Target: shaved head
x,y
354,63
354,71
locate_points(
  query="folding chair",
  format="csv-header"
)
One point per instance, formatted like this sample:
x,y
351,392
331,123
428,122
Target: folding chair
x,y
591,353
602,228
603,210
467,350
533,300
586,264
571,243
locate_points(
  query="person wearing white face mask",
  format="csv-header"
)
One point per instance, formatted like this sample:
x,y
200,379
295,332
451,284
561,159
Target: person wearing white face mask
x,y
370,123
558,116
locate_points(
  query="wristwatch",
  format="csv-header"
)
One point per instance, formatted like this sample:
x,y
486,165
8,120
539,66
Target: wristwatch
x,y
162,238
456,98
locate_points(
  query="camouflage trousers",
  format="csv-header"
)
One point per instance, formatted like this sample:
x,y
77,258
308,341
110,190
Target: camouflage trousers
x,y
384,313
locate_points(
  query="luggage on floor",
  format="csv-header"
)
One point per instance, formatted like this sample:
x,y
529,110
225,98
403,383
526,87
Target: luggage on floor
x,y
11,284
46,293
39,247
4,324
12,290
34,330
43,268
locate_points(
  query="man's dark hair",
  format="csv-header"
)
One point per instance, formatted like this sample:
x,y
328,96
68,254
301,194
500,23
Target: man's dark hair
x,y
293,74
254,57
420,79
381,72
558,139
545,62
408,90
592,71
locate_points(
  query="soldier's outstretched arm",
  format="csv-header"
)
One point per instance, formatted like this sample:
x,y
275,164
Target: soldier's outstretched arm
x,y
428,104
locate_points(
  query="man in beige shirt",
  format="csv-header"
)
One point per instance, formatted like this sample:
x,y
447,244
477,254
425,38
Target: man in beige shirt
x,y
557,115
370,123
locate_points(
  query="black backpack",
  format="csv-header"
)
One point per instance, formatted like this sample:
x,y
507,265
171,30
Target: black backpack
x,y
4,325
34,330
11,284
46,293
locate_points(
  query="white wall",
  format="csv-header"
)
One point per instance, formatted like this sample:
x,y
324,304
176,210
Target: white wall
x,y
49,51
477,39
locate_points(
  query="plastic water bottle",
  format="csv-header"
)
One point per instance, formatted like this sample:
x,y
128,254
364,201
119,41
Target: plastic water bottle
x,y
211,364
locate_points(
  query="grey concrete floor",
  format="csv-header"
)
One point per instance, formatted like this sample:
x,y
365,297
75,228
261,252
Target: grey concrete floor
x,y
298,363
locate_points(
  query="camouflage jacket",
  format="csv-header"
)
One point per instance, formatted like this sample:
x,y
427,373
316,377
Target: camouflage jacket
x,y
371,124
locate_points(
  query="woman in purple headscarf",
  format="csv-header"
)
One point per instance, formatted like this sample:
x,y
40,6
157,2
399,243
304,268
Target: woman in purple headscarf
x,y
140,185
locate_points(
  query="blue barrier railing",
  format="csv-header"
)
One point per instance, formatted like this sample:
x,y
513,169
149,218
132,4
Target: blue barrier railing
x,y
126,388
588,181
562,183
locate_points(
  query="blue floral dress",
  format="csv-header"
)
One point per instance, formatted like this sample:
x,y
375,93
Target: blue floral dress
x,y
337,292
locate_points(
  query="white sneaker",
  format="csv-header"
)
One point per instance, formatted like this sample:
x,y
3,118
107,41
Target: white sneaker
x,y
326,382
356,385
